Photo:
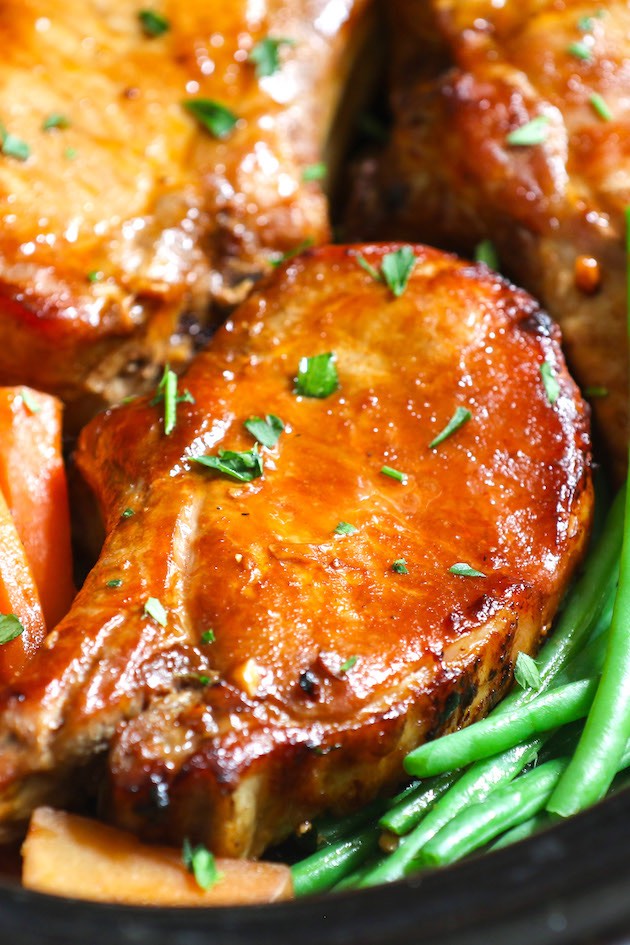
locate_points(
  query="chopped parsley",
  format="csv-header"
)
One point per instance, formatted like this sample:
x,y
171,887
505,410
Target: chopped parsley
x,y
400,566
317,376
153,608
345,528
204,680
394,474
550,381
267,431
153,23
70,154
580,50
531,133
396,268
461,416
265,55
201,863
10,628
55,120
244,467
526,672
314,172
167,392
29,401
292,253
486,253
12,146
114,582
347,665
217,120
600,107
208,636
461,569
95,275
586,23
127,513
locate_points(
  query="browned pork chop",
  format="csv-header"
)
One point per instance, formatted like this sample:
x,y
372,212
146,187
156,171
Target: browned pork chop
x,y
249,660
467,74
123,219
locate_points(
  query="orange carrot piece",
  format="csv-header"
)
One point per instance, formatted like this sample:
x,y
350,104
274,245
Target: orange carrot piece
x,y
18,595
33,481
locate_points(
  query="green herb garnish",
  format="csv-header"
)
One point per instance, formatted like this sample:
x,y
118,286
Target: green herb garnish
x,y
292,253
201,863
348,664
127,513
10,628
167,392
345,528
55,120
580,50
153,23
153,608
596,391
532,133
95,275
314,172
265,55
396,267
70,154
486,253
400,566
550,381
14,147
526,672
267,431
317,376
600,107
461,569
29,401
461,416
218,120
394,474
371,271
208,636
115,582
244,467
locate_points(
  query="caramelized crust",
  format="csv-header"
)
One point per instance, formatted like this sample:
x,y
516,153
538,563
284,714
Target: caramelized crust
x,y
327,665
450,176
170,220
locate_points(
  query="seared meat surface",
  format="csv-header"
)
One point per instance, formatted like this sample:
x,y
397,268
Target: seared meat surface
x,y
287,668
128,221
466,75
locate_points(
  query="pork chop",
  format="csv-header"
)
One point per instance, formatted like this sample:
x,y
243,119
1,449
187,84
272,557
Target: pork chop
x,y
128,220
467,76
252,653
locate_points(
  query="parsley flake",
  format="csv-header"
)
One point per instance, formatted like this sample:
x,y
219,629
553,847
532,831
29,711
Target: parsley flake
x,y
14,147
127,513
244,467
201,863
550,381
461,416
317,376
208,636
314,172
292,253
531,133
95,275
153,608
167,392
217,120
526,672
580,50
400,566
265,55
371,271
153,23
29,401
345,528
70,154
267,431
347,665
461,569
115,582
10,628
485,252
600,107
396,268
394,474
55,120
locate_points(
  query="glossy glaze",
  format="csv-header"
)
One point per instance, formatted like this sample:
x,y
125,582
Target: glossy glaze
x,y
171,219
466,73
241,756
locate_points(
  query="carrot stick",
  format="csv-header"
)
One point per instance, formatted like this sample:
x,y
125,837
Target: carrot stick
x,y
33,481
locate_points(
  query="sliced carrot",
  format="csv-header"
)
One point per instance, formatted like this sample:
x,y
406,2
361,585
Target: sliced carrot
x,y
33,481
67,855
18,595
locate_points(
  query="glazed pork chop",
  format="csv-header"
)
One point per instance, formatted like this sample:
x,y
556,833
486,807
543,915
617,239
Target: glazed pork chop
x,y
263,638
464,163
126,218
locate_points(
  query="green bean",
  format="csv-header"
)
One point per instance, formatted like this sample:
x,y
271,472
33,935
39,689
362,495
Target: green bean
x,y
607,728
522,831
475,784
402,817
505,808
323,869
500,732
332,829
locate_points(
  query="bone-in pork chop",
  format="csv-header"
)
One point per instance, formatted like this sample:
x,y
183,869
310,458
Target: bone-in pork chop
x,y
512,121
126,219
252,653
